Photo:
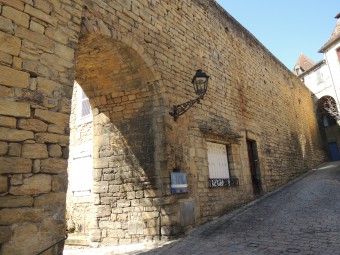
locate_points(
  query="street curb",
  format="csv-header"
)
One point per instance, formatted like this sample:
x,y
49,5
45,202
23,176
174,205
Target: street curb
x,y
239,211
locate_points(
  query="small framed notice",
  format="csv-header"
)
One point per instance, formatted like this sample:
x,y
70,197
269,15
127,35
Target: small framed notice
x,y
179,183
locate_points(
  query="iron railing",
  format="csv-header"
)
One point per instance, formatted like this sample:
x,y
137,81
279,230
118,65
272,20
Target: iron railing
x,y
223,182
62,240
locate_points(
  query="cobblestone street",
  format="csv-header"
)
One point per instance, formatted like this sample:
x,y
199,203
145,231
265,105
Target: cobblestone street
x,y
301,218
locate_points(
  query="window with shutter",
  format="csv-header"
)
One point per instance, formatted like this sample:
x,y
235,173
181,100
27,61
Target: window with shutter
x,y
218,161
85,105
219,170
81,174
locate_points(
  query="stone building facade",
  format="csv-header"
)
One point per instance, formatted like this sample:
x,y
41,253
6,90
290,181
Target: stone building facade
x,y
135,60
323,80
80,164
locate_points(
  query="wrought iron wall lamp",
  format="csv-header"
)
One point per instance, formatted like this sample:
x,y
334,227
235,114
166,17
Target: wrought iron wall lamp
x,y
200,83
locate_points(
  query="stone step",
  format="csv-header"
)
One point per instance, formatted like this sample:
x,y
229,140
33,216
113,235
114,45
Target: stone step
x,y
77,240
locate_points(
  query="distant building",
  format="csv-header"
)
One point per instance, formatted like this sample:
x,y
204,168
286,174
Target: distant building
x,y
323,79
303,64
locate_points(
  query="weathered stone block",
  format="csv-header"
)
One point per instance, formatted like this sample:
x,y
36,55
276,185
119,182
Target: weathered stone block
x,y
6,58
3,184
3,148
50,102
9,44
36,68
17,4
57,35
15,109
100,187
49,199
36,165
17,179
58,63
34,151
35,37
41,15
52,117
59,183
101,162
53,165
53,128
102,210
19,215
150,215
13,135
19,17
46,86
32,125
6,25
16,201
34,185
21,241
15,149
17,64
13,78
95,235
43,6
65,105
64,51
36,27
5,234
136,227
15,166
54,150
8,121
6,92
123,203
52,138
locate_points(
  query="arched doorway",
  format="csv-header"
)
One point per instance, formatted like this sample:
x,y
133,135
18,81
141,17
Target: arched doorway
x,y
122,91
327,114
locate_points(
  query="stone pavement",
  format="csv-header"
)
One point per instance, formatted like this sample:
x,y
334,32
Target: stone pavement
x,y
302,218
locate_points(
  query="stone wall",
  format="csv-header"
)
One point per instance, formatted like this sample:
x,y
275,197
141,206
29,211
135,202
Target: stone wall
x,y
37,45
135,60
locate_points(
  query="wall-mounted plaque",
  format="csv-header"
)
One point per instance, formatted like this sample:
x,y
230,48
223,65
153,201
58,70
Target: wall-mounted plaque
x,y
179,183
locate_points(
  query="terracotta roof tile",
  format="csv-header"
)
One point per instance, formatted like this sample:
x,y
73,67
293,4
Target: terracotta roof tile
x,y
304,63
334,37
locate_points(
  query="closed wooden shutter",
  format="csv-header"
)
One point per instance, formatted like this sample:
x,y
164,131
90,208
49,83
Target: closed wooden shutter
x,y
85,105
81,179
218,161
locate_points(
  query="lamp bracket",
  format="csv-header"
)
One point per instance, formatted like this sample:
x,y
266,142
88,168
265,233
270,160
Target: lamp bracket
x,y
180,109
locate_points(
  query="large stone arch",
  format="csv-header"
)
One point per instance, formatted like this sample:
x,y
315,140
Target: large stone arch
x,y
35,148
124,93
328,125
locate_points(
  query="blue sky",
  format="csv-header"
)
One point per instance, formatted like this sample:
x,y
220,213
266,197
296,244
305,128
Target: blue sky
x,y
287,28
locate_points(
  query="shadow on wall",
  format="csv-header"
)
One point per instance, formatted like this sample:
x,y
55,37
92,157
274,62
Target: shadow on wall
x,y
124,94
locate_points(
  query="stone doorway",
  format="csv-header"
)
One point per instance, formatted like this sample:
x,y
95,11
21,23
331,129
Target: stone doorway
x,y
122,91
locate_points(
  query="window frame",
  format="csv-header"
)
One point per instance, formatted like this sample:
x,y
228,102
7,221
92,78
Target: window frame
x,y
215,177
77,174
81,98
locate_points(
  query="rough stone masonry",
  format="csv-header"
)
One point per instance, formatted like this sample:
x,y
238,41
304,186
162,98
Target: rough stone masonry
x,y
135,60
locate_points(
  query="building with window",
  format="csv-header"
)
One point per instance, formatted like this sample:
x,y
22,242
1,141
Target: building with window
x,y
80,163
323,79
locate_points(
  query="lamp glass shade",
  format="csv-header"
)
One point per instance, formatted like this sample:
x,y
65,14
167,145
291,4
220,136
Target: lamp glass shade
x,y
200,83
